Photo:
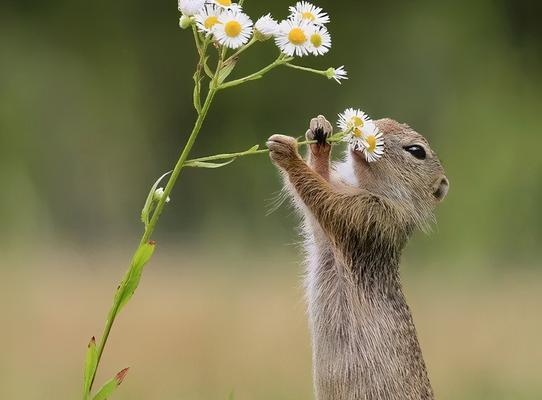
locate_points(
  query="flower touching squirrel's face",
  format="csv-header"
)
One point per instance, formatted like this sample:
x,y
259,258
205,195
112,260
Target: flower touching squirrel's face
x,y
363,134
408,171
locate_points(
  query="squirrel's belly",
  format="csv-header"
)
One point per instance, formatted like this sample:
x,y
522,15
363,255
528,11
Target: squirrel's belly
x,y
363,348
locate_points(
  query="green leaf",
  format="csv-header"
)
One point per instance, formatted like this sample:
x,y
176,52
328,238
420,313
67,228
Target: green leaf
x,y
206,68
253,149
91,361
133,276
111,385
147,208
206,164
226,70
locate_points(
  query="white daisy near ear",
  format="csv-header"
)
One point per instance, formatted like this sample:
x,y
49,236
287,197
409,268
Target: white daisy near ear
x,y
303,10
293,37
373,147
320,40
207,18
227,4
354,121
159,193
337,73
190,7
233,29
266,27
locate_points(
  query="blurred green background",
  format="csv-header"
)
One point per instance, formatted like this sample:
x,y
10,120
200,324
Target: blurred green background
x,y
95,103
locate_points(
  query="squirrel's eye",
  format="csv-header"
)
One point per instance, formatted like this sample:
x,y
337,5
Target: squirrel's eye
x,y
416,151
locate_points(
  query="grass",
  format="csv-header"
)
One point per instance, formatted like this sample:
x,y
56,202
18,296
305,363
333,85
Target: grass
x,y
202,327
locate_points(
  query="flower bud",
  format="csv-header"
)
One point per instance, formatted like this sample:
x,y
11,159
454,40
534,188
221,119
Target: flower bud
x,y
185,22
191,7
265,28
159,193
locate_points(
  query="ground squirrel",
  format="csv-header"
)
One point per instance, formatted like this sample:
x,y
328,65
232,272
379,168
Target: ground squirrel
x,y
358,217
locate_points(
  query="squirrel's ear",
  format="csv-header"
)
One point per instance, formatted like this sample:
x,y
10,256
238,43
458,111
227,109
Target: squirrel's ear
x,y
440,188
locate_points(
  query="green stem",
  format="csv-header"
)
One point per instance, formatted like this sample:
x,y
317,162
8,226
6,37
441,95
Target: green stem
x,y
197,39
158,210
242,49
202,50
299,67
180,163
228,156
281,60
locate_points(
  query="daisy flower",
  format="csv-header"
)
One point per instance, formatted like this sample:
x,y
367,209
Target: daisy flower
x,y
227,4
266,27
207,18
337,73
363,134
190,7
354,121
306,11
293,37
320,40
233,29
373,143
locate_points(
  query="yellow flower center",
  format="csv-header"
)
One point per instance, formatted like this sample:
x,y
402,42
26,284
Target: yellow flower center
x,y
210,22
357,121
297,36
225,3
316,40
232,29
371,141
357,132
308,15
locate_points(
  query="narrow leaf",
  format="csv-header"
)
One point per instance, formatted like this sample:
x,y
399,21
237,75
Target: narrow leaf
x,y
207,69
226,70
206,164
91,360
253,149
147,208
110,386
133,276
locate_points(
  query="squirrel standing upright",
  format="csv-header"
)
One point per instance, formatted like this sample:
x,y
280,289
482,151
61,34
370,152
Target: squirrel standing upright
x,y
357,218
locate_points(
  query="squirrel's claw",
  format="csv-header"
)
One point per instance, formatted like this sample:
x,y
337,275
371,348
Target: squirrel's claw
x,y
319,129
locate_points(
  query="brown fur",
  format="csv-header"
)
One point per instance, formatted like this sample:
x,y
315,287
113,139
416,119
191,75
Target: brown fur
x,y
358,217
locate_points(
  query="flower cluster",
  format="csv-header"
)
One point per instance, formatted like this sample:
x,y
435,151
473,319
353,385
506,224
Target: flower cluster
x,y
302,33
363,134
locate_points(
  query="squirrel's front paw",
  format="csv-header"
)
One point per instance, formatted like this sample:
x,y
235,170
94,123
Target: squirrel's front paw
x,y
320,129
282,150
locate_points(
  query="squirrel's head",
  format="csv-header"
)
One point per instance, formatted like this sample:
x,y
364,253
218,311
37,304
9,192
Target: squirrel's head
x,y
409,172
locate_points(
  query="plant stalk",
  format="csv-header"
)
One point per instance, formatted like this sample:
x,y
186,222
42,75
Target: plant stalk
x,y
158,210
180,163
228,156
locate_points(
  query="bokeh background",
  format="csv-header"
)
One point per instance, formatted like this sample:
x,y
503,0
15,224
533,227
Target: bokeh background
x,y
95,103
